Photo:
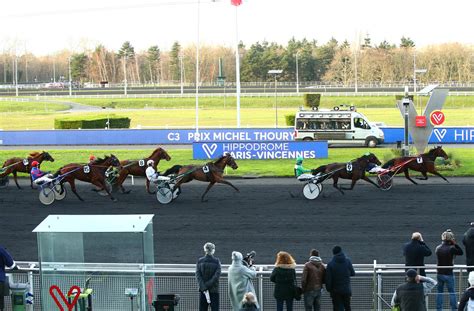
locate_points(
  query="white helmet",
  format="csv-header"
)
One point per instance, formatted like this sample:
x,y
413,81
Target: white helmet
x,y
150,162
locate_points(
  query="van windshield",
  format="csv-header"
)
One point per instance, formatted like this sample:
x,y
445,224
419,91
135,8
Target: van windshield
x,y
361,123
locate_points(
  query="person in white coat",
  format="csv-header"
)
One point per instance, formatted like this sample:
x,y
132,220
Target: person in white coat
x,y
240,281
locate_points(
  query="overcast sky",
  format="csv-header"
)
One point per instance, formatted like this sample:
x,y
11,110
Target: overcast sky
x,y
47,26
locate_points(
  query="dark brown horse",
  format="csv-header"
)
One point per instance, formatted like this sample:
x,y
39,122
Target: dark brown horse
x,y
353,170
424,163
138,168
16,165
212,172
95,174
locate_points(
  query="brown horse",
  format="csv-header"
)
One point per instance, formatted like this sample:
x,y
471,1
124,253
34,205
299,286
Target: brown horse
x,y
95,176
212,172
424,163
353,170
138,168
15,165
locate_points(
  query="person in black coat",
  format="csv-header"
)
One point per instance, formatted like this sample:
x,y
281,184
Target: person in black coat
x,y
338,280
284,277
208,272
415,252
467,298
468,241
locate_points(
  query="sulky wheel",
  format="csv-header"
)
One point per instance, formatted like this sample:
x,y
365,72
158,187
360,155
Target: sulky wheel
x,y
46,196
311,191
4,181
385,182
59,192
164,195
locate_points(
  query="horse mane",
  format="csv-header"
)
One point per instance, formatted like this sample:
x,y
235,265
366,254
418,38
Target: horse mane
x,y
220,158
34,154
100,160
156,151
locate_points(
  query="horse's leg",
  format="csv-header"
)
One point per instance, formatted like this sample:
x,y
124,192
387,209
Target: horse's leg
x,y
438,174
16,179
73,188
354,180
407,176
122,175
102,186
367,179
334,184
223,181
425,176
207,189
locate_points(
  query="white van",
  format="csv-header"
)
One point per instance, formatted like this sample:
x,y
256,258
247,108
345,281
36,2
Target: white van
x,y
344,126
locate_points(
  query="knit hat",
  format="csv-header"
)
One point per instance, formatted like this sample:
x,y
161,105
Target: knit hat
x,y
336,250
209,248
237,256
447,235
411,273
315,259
470,279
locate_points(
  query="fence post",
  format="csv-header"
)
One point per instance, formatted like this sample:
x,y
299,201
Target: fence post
x,y
143,302
260,287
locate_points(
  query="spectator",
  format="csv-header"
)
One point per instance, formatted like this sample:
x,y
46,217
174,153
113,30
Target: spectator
x,y
312,281
208,271
467,298
240,281
446,251
411,295
284,277
249,303
6,260
338,280
468,241
415,252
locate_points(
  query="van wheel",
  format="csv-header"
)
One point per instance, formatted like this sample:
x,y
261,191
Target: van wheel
x,y
371,142
307,139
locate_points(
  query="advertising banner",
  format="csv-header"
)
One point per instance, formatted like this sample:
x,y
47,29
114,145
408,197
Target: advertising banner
x,y
261,150
439,135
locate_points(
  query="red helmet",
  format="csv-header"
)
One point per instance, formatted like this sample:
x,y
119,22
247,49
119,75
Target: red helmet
x,y
34,163
92,157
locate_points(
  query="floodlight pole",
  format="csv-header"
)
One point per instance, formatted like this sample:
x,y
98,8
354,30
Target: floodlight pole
x,y
406,105
276,72
297,75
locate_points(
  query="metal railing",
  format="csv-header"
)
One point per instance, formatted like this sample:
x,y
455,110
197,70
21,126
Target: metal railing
x,y
372,287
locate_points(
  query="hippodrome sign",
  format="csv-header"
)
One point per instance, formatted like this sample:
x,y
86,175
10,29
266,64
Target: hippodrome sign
x,y
261,150
437,117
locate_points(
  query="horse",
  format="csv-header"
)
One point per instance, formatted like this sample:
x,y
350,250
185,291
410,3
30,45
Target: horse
x,y
15,165
95,174
424,163
138,168
212,172
353,170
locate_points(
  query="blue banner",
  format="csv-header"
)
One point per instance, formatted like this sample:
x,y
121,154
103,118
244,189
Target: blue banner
x,y
261,150
440,135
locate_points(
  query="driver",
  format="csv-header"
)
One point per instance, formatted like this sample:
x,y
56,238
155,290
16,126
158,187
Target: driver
x,y
39,176
150,172
300,171
374,168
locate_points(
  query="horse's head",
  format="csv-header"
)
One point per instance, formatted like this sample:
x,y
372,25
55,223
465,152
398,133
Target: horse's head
x,y
164,155
439,152
230,161
114,161
160,154
47,156
371,158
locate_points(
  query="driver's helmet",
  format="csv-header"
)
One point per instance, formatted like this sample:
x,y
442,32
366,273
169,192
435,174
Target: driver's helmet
x,y
150,162
34,163
91,157
299,160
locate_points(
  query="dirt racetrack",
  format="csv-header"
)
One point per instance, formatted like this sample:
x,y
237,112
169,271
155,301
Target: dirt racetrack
x,y
268,215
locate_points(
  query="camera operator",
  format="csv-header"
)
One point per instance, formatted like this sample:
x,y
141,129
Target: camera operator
x,y
240,276
249,259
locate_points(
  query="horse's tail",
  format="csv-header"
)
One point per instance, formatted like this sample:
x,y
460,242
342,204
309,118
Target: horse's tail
x,y
172,170
320,169
389,164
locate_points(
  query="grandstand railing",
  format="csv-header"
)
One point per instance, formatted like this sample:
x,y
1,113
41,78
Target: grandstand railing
x,y
372,287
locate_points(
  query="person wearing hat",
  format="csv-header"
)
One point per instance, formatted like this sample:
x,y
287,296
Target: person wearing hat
x,y
468,241
300,170
467,298
208,272
415,252
39,176
240,281
446,252
338,279
312,281
411,295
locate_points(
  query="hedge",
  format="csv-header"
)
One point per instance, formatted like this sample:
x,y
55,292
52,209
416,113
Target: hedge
x,y
92,123
312,100
290,119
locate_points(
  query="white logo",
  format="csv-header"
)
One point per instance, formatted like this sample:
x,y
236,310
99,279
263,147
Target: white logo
x,y
440,133
209,150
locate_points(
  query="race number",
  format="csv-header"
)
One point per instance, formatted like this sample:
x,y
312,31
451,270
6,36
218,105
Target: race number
x,y
349,167
205,169
87,169
25,162
419,160
141,162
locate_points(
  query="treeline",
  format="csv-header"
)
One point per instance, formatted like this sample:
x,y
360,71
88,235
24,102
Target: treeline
x,y
332,62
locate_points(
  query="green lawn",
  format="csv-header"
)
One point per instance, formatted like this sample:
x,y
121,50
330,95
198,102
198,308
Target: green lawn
x,y
31,107
278,168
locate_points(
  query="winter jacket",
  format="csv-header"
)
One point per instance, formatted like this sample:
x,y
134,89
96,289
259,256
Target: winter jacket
x,y
338,274
446,252
313,274
415,252
251,307
284,277
240,280
411,295
6,260
208,271
467,299
468,241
